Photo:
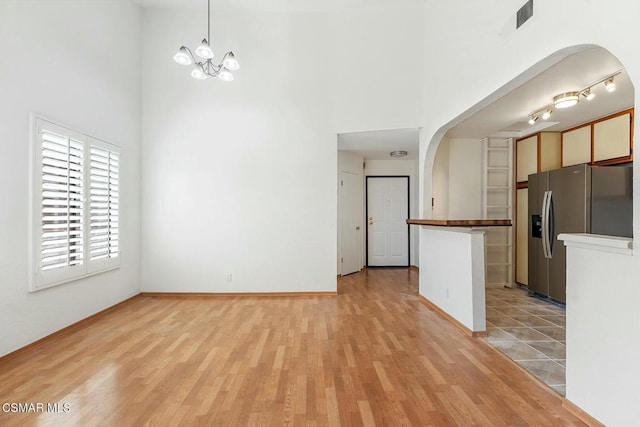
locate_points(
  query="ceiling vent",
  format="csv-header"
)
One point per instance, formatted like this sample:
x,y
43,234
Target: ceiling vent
x,y
524,13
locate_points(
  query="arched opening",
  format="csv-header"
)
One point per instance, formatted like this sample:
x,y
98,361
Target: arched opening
x,y
453,165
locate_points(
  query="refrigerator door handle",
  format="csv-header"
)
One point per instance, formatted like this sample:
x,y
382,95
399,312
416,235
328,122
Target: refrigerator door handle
x,y
551,219
545,226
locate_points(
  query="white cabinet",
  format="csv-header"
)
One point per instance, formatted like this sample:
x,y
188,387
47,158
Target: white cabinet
x,y
497,203
550,151
522,236
612,138
576,146
604,141
526,158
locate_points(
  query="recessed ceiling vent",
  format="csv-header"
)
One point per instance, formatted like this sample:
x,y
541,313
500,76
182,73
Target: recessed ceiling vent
x,y
524,13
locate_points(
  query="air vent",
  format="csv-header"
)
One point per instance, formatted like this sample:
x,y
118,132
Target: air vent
x,y
524,13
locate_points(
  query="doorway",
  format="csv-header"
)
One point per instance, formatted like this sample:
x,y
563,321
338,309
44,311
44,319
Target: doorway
x,y
387,209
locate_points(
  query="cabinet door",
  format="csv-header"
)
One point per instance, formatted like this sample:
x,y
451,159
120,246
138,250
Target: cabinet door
x,y
612,138
576,146
526,158
550,151
522,236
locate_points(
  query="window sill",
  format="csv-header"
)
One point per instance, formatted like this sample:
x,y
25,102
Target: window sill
x,y
36,288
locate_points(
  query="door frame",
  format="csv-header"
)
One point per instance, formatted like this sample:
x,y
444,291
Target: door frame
x,y
366,217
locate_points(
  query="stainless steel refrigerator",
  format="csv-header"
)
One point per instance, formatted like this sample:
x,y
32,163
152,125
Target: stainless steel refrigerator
x,y
576,199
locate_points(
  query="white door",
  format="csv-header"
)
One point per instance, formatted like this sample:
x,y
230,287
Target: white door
x,y
387,212
350,223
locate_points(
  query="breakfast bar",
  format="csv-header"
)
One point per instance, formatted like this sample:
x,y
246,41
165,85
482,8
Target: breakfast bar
x,y
452,269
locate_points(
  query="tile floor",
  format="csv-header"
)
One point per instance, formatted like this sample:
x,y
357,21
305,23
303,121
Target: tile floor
x,y
529,331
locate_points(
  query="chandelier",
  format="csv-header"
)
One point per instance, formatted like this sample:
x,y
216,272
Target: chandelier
x,y
205,67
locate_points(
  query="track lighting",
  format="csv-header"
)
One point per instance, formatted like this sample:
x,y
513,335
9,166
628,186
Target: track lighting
x,y
569,99
610,85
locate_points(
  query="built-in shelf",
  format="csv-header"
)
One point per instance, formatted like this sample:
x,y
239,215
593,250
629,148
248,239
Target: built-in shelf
x,y
497,189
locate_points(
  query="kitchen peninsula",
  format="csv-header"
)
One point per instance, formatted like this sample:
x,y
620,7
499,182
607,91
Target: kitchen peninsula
x,y
452,269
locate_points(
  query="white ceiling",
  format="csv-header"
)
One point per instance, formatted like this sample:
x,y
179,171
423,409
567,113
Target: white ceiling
x,y
271,5
376,145
508,116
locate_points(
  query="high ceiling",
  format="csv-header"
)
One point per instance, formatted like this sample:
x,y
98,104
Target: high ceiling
x,y
505,117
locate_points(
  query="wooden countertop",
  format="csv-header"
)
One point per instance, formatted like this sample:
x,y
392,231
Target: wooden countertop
x,y
462,222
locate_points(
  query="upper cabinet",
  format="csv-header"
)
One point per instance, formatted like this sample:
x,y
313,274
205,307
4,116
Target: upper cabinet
x,y
550,143
537,153
612,138
526,158
576,146
605,141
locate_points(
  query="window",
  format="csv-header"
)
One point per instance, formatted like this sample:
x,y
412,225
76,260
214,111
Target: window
x,y
75,227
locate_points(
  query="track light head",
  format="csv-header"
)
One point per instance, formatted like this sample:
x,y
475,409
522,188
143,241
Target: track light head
x,y
588,94
547,114
610,85
533,119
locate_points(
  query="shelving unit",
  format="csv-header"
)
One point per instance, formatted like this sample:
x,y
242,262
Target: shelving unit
x,y
497,202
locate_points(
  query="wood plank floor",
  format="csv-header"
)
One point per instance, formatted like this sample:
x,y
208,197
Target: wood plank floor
x,y
373,355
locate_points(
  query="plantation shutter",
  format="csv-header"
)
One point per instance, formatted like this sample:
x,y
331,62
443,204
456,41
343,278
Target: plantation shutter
x,y
62,201
75,205
104,203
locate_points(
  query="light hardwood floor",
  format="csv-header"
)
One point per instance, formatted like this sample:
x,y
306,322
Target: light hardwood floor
x,y
373,355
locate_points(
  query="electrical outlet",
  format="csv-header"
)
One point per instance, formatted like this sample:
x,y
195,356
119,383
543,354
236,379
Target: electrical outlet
x,y
229,277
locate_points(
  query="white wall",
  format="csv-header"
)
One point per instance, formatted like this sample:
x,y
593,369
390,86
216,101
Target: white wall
x,y
76,63
490,60
457,291
238,178
603,348
457,179
404,168
440,182
352,163
376,66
